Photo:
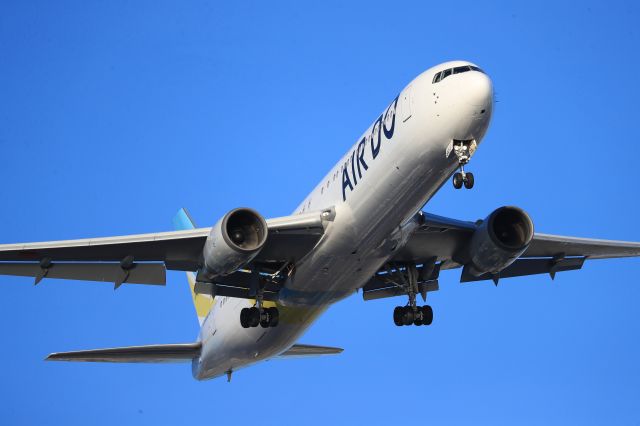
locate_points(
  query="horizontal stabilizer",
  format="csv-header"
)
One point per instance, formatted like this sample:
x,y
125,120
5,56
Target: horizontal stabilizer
x,y
181,352
309,350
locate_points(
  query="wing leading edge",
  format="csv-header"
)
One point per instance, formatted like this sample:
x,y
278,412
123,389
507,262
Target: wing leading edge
x,y
143,258
302,351
180,352
439,242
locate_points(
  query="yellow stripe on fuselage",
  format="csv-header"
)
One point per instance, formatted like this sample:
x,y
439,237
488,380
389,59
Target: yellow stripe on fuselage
x,y
202,302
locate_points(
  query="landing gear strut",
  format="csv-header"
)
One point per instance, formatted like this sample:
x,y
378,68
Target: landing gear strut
x,y
463,151
411,313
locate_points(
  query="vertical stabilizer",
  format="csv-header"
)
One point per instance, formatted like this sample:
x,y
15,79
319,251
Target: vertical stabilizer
x,y
202,302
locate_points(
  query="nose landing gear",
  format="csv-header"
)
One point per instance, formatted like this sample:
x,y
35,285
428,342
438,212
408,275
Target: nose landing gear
x,y
463,151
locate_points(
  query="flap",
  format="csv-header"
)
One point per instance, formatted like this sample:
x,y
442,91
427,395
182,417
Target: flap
x,y
140,273
522,267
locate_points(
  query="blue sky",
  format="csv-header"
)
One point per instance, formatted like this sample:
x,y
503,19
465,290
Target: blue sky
x,y
115,114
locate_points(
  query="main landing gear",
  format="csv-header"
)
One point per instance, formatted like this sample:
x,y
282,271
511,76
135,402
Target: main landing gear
x,y
412,313
463,151
416,315
258,314
265,317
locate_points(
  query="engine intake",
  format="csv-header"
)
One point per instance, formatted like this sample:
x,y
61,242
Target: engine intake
x,y
499,240
234,241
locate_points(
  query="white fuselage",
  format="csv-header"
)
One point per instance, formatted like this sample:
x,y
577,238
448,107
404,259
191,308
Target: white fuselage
x,y
393,169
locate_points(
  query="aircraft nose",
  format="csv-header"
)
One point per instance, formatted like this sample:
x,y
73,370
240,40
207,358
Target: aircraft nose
x,y
478,89
474,105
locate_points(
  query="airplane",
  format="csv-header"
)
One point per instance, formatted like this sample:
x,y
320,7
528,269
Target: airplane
x,y
258,284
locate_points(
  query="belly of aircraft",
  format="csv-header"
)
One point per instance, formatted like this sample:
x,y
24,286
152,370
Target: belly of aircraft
x,y
358,244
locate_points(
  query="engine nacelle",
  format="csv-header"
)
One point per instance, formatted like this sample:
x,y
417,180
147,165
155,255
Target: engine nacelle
x,y
233,242
499,240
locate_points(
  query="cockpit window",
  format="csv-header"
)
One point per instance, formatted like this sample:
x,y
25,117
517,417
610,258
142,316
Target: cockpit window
x,y
457,70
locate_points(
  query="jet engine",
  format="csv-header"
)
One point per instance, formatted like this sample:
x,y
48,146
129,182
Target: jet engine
x,y
234,241
499,240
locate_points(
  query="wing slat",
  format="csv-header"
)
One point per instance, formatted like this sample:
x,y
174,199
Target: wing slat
x,y
545,245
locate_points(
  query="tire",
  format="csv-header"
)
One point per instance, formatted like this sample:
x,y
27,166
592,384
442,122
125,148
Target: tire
x,y
254,317
274,317
398,313
417,321
427,315
468,182
407,315
244,318
457,180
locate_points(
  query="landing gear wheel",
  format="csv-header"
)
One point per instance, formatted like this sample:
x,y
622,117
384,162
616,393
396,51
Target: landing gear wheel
x,y
468,181
457,180
244,318
274,316
407,315
417,321
398,314
254,317
427,315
